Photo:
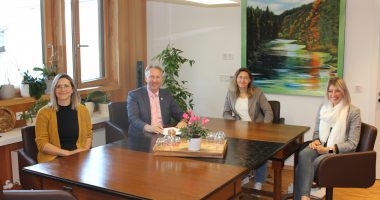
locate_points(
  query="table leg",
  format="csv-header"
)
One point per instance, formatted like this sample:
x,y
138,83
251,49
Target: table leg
x,y
277,179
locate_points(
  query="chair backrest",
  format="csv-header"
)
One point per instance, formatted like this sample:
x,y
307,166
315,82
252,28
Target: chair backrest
x,y
118,114
276,107
367,140
28,140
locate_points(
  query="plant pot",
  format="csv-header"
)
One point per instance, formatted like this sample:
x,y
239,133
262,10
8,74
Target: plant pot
x,y
103,109
90,107
31,122
24,90
194,144
48,86
7,92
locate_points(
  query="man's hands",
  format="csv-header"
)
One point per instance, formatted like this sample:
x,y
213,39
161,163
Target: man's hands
x,y
159,129
181,124
153,129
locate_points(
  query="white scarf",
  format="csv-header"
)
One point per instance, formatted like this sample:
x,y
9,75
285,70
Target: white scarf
x,y
334,119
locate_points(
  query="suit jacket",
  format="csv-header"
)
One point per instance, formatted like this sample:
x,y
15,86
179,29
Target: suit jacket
x,y
138,106
353,127
258,107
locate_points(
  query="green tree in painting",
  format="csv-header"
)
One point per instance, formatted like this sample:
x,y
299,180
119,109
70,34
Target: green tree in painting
x,y
315,25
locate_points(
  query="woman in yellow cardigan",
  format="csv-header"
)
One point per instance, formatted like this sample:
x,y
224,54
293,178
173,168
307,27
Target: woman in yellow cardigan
x,y
63,127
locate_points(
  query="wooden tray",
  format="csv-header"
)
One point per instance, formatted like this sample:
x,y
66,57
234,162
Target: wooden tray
x,y
209,149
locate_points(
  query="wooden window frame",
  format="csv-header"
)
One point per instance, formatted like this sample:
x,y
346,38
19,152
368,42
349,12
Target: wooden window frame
x,y
54,33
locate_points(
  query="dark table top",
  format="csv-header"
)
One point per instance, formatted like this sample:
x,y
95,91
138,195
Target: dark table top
x,y
240,152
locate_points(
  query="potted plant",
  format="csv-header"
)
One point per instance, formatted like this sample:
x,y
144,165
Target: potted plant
x,y
31,86
27,116
37,106
99,101
172,60
7,91
195,130
24,88
30,114
48,74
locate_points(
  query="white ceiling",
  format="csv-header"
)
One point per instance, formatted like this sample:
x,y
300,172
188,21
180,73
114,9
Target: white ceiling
x,y
185,2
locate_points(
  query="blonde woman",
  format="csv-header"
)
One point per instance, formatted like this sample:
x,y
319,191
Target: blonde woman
x,y
63,127
337,130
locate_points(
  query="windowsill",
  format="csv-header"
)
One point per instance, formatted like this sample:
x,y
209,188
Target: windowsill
x,y
20,100
85,91
14,135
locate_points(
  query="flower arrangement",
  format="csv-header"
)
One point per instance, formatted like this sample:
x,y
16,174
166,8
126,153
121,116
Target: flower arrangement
x,y
195,126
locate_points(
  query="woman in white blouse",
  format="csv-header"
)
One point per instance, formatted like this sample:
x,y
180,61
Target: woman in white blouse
x,y
248,103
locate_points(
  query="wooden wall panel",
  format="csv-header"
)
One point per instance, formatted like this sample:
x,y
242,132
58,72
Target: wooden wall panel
x,y
131,44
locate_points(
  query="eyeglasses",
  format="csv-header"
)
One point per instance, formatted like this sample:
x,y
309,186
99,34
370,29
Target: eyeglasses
x,y
63,87
243,78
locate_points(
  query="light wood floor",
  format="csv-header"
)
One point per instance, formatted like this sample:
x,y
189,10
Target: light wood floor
x,y
371,193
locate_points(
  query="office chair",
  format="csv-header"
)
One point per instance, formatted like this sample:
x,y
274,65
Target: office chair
x,y
350,170
117,126
36,195
276,108
27,157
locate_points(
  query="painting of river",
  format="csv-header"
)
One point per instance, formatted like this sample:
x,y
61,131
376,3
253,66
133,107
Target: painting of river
x,y
294,47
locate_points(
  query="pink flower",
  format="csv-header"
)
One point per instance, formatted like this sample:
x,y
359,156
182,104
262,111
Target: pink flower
x,y
185,116
204,121
190,112
192,119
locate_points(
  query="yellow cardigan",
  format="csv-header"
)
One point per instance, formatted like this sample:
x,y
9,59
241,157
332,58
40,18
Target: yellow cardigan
x,y
47,130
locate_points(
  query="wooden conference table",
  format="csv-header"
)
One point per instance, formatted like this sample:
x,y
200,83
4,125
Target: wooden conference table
x,y
128,170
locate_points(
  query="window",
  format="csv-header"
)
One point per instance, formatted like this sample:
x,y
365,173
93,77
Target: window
x,y
84,41
97,42
20,39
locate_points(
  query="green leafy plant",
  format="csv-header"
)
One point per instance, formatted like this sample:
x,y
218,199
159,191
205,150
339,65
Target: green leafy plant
x,y
97,97
37,86
27,78
172,60
48,73
37,106
27,116
33,110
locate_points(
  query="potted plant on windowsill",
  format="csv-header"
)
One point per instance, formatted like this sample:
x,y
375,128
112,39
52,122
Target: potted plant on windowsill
x,y
31,86
27,116
30,114
48,74
99,101
7,90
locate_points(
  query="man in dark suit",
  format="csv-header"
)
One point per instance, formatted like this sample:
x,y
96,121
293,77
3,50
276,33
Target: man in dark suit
x,y
151,108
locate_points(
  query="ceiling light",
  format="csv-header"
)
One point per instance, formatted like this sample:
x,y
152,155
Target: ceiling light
x,y
214,2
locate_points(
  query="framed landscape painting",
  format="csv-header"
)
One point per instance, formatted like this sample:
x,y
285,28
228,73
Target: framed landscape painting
x,y
293,47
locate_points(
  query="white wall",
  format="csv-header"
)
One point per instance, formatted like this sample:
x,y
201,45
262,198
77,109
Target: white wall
x,y
205,34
